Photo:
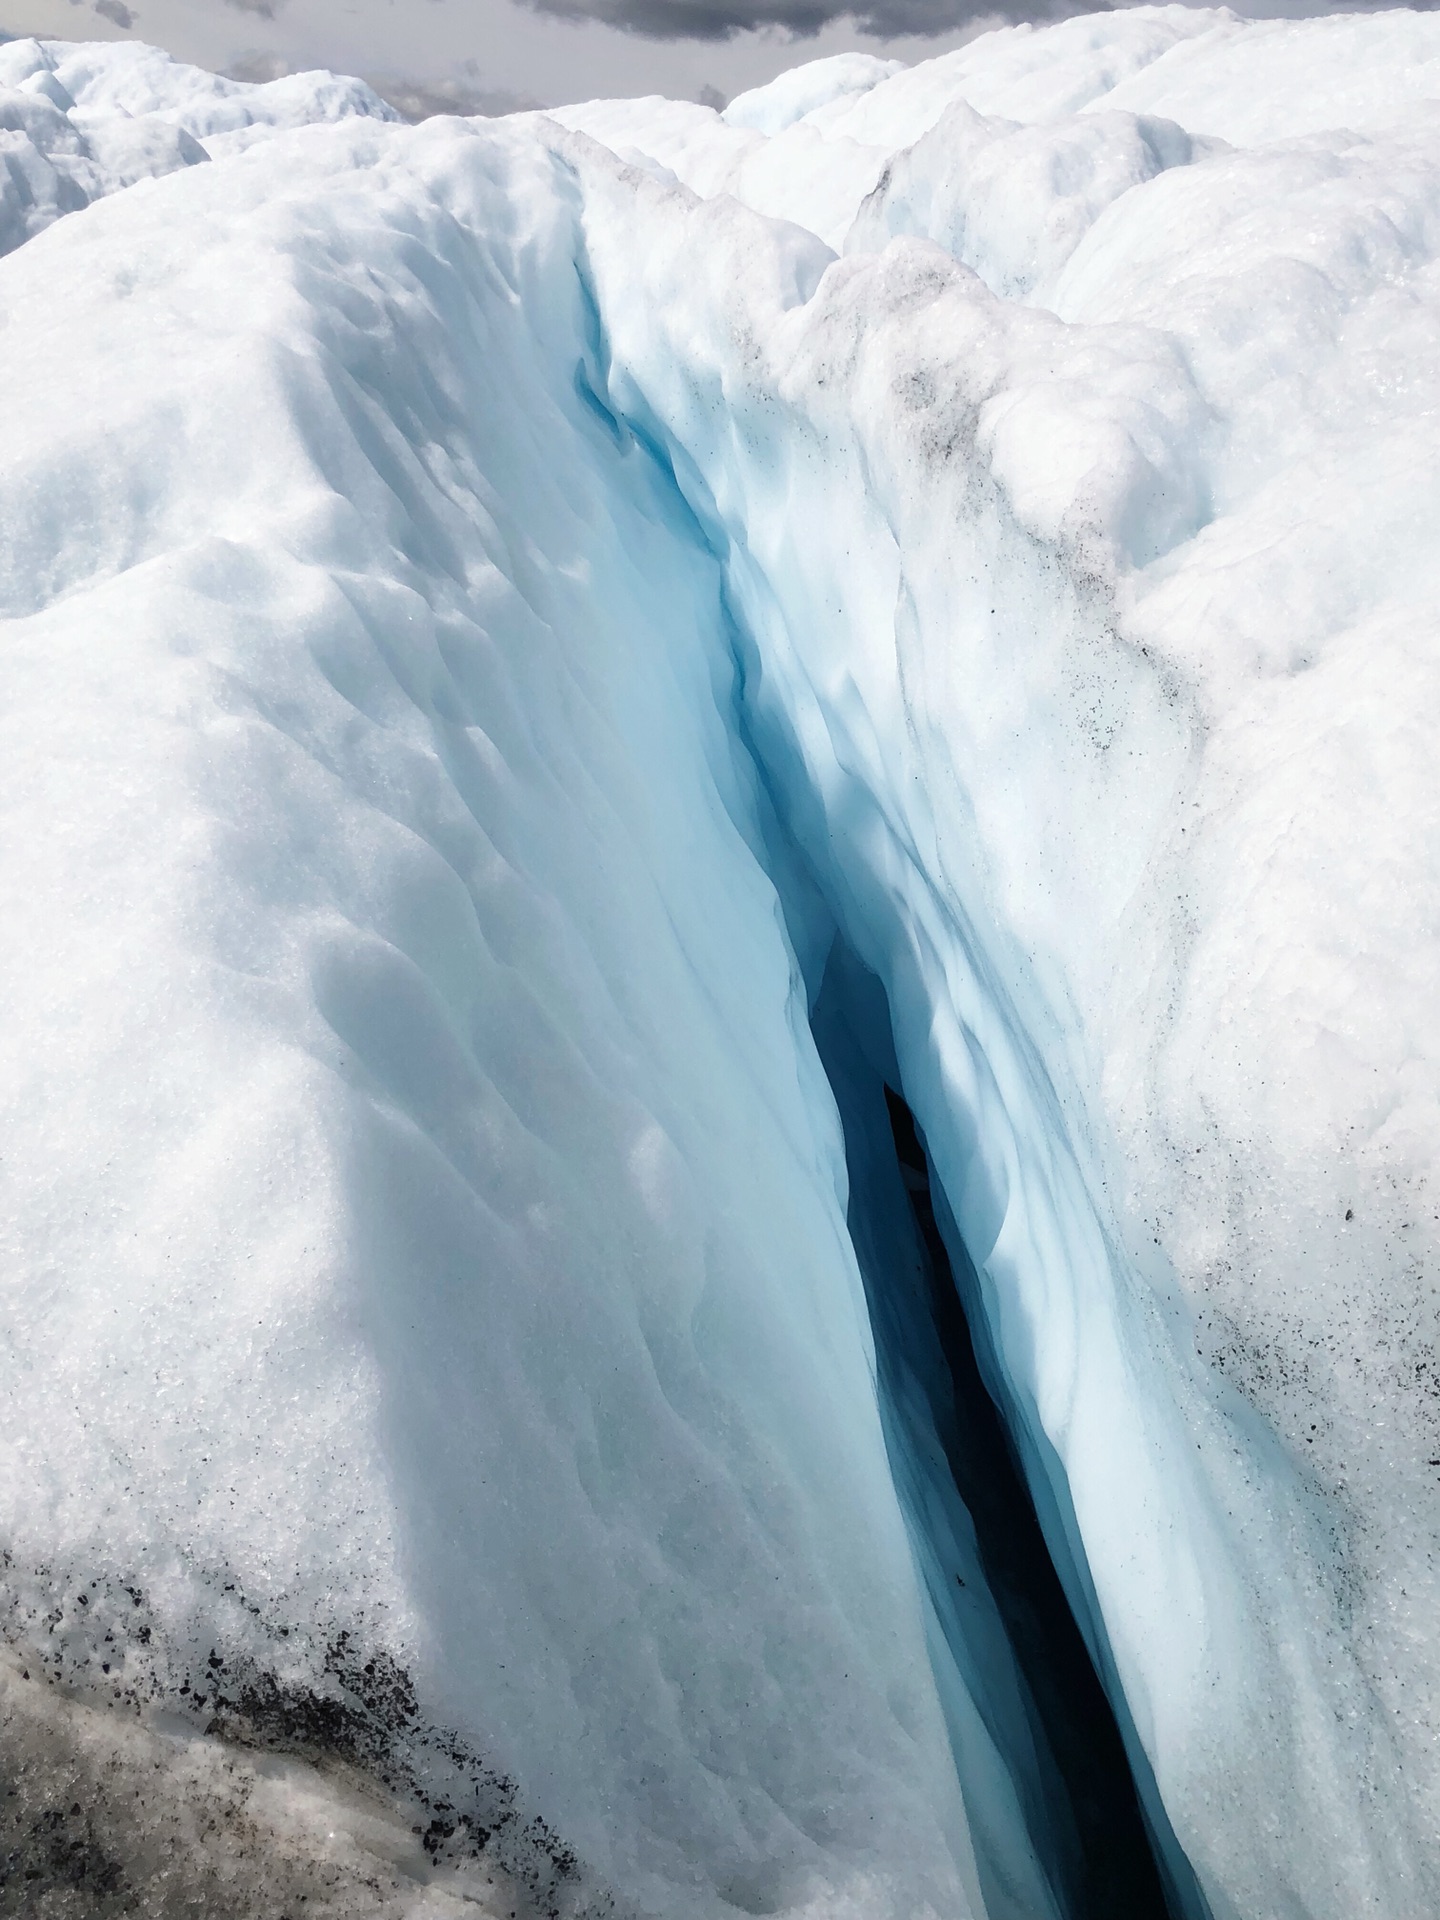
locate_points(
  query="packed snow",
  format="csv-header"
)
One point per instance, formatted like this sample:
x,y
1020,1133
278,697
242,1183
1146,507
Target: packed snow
x,y
501,618
80,122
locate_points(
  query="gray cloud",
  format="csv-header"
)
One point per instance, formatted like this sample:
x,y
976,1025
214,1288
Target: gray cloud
x,y
881,19
258,67
116,11
722,19
461,93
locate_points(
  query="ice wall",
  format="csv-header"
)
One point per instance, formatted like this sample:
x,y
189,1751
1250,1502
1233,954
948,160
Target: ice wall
x,y
484,607
944,517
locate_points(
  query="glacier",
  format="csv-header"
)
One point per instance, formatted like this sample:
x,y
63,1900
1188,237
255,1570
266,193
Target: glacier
x,y
721,893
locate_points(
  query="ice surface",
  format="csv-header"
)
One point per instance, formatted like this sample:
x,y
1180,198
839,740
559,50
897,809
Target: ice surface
x,y
804,91
105,1813
130,81
485,605
431,1224
1011,201
80,121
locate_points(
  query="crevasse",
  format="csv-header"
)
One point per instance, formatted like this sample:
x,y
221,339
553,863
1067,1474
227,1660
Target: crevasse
x,y
828,468
1022,1812
1049,1794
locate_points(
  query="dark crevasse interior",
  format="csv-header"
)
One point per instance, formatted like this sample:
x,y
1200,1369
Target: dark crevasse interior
x,y
996,1593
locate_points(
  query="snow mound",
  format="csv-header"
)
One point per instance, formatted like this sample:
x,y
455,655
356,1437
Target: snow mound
x,y
101,80
804,91
1013,202
78,122
815,143
529,645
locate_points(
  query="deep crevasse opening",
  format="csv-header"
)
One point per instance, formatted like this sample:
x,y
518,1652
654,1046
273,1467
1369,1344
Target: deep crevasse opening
x,y
1045,1707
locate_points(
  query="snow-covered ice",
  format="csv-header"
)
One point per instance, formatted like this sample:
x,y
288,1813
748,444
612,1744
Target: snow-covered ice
x,y
499,618
78,122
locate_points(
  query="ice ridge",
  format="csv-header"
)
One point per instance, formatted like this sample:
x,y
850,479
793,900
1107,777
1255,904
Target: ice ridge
x,y
80,121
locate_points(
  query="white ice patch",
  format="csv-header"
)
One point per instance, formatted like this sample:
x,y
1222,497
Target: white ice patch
x,y
831,83
1012,201
80,122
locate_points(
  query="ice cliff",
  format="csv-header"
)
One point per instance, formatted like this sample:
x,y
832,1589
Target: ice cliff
x,y
721,889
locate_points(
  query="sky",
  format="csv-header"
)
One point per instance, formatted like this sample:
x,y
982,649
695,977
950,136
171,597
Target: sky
x,y
492,56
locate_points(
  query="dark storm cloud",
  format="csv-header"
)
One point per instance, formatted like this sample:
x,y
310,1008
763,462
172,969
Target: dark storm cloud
x,y
884,19
720,19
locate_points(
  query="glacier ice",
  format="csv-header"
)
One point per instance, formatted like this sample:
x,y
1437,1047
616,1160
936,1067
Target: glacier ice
x,y
568,681
78,122
439,973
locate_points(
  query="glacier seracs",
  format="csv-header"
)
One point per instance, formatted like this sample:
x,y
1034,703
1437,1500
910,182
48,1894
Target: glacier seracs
x,y
496,615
